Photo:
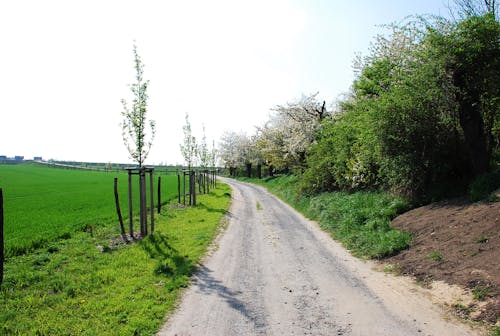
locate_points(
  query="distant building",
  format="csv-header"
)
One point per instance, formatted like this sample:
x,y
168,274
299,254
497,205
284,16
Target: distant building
x,y
19,158
37,158
3,157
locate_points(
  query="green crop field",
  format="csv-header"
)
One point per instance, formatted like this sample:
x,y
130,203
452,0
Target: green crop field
x,y
43,204
96,285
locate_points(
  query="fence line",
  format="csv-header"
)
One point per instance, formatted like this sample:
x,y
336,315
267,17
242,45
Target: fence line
x,y
1,237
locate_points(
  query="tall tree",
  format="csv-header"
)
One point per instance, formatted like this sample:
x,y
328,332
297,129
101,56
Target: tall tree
x,y
471,54
134,122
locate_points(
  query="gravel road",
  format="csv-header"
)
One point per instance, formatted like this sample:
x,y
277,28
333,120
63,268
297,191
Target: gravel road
x,y
276,273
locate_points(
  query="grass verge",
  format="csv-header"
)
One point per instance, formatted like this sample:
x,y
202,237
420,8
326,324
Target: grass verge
x,y
91,286
360,220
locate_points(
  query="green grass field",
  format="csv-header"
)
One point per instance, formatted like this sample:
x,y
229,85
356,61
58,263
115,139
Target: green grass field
x,y
43,204
84,285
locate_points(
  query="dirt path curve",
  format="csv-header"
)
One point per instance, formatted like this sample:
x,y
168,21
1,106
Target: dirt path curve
x,y
277,273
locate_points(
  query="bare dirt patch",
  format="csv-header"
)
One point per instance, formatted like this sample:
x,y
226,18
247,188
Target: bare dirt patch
x,y
459,243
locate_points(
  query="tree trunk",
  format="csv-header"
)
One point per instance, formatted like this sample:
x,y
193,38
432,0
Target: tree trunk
x,y
259,171
249,169
142,203
471,122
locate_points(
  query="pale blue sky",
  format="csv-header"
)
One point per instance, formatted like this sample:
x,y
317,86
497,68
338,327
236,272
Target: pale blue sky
x,y
65,66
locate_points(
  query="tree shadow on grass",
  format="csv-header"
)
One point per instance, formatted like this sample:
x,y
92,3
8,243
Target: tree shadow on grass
x,y
203,206
169,262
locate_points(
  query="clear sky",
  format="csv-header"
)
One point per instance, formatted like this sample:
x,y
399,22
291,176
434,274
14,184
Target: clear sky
x,y
65,66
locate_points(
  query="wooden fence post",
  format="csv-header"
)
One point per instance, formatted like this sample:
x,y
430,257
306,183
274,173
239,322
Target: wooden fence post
x,y
142,200
159,194
194,188
118,211
130,205
199,182
179,187
207,181
141,203
184,179
152,200
1,237
190,178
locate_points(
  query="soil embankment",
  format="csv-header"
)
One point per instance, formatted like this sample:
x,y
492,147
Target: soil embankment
x,y
459,243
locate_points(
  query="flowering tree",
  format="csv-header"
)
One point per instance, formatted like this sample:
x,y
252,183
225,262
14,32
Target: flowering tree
x,y
285,138
235,150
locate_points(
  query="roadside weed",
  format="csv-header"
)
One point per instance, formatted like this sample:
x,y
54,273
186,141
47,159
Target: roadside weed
x,y
435,255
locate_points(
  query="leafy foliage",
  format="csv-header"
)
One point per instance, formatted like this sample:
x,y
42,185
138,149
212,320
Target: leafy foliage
x,y
423,112
291,129
134,119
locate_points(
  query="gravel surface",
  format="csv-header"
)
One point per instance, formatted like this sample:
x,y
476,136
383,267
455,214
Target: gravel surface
x,y
276,273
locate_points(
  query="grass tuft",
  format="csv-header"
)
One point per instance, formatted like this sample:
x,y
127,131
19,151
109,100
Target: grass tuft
x,y
435,255
480,293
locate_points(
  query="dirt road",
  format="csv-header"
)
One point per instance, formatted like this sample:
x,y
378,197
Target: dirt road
x,y
276,273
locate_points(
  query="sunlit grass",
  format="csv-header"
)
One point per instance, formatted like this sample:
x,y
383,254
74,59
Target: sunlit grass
x,y
76,287
44,204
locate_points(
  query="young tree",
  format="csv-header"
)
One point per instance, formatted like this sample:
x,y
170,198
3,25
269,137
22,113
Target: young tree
x,y
213,155
188,147
134,120
203,153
